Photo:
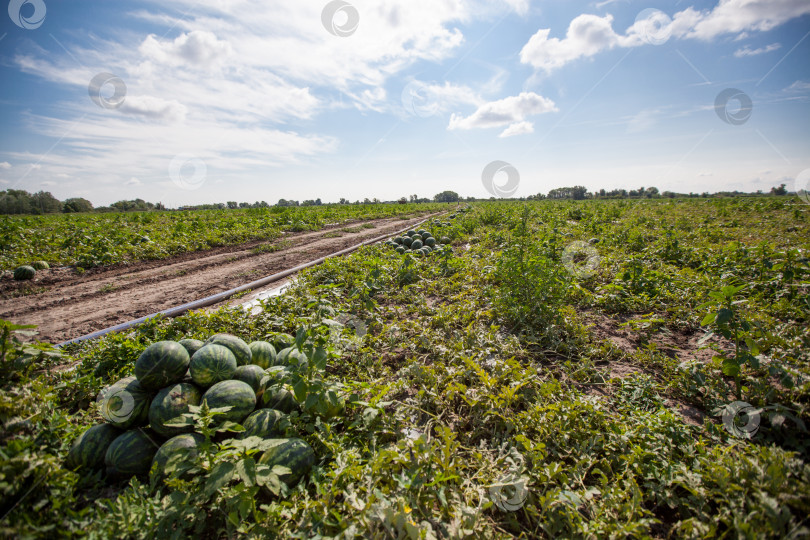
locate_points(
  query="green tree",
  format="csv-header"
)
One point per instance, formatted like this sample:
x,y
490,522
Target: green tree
x,y
446,196
77,204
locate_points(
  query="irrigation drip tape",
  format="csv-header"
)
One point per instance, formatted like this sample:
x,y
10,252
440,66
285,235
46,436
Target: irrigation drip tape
x,y
219,297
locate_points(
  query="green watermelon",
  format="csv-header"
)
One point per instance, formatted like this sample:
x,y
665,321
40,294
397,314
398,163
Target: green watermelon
x,y
264,354
398,240
40,265
88,449
264,423
24,272
291,356
445,240
252,375
168,404
280,400
411,232
417,244
131,453
192,345
186,443
430,241
401,250
236,394
211,364
407,241
238,347
125,404
293,453
277,374
280,340
161,364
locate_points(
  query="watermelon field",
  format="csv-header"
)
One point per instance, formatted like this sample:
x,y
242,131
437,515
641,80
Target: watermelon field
x,y
90,240
541,369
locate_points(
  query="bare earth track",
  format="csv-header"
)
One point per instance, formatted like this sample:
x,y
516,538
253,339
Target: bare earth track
x,y
72,305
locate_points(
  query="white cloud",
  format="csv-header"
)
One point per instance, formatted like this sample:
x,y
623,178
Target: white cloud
x,y
588,35
133,182
5,165
518,128
746,51
199,48
798,86
733,16
154,108
510,110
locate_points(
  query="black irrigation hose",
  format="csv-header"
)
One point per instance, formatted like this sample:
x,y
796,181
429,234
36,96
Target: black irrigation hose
x,y
219,297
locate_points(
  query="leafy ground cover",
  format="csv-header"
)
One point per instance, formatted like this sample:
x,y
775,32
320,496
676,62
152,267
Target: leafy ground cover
x,y
530,381
90,240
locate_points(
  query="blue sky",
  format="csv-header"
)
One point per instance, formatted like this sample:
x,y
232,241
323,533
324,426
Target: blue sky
x,y
213,100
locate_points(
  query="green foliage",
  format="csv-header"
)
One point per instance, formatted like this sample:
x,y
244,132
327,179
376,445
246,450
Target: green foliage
x,y
487,397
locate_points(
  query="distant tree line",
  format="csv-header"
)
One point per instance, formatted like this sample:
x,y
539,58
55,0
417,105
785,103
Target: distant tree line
x,y
19,201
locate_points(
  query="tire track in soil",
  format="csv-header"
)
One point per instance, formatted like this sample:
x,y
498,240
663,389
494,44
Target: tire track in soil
x,y
71,305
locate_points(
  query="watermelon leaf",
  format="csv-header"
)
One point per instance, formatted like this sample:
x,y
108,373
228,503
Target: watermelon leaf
x,y
219,477
246,469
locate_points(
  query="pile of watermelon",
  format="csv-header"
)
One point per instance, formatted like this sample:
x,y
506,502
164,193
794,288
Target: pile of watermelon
x,y
139,436
420,243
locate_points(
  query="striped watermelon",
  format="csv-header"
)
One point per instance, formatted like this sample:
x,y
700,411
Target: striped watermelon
x,y
168,404
292,357
281,400
235,394
131,453
252,375
186,445
264,354
293,453
264,423
125,404
238,347
191,345
280,340
212,364
88,449
40,265
161,364
22,273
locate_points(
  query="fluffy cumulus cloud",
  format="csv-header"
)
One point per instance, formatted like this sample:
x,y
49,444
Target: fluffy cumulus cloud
x,y
511,111
198,48
588,35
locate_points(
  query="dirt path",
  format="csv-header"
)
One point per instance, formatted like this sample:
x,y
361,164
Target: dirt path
x,y
70,305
